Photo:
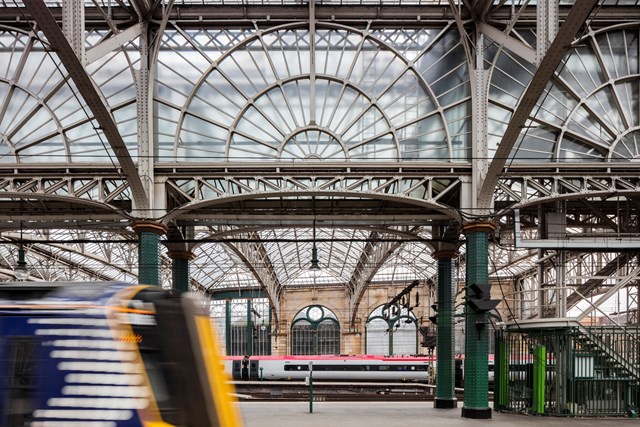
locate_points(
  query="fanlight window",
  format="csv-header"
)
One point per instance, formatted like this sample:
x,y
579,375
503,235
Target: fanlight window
x,y
392,331
315,330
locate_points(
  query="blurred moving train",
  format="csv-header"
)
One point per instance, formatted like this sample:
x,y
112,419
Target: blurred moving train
x,y
108,355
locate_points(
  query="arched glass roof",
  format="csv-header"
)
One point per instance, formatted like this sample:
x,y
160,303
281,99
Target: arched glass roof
x,y
589,111
218,265
376,95
279,94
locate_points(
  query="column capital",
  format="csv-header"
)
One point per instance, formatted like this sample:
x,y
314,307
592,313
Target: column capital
x,y
479,227
149,226
181,254
445,254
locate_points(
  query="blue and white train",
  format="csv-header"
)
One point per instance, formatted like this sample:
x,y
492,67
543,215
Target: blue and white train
x,y
108,355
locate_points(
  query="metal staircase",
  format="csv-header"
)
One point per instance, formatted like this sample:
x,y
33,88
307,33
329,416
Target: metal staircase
x,y
607,355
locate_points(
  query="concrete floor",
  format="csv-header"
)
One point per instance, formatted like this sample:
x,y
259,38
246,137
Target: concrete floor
x,y
391,414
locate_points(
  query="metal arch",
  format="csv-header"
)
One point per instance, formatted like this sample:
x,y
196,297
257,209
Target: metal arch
x,y
255,256
185,209
371,259
319,129
63,190
228,188
561,44
47,23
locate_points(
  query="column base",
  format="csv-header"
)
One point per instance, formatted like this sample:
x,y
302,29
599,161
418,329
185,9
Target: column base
x,y
476,413
445,403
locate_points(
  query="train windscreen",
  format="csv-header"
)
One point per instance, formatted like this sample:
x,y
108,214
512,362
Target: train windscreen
x,y
165,326
159,326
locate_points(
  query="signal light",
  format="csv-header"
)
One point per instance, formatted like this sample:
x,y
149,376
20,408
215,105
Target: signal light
x,y
434,319
480,301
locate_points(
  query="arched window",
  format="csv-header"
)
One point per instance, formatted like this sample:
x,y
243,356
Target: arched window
x,y
392,331
315,330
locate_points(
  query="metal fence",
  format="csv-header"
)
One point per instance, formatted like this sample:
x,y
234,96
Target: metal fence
x,y
571,371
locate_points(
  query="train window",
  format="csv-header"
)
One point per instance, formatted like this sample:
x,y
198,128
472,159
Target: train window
x,y
297,367
157,378
21,384
159,365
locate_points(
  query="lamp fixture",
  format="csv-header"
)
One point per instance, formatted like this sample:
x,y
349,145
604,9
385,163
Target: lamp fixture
x,y
314,267
315,264
21,271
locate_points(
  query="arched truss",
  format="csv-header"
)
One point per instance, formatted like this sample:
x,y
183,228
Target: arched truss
x,y
280,257
70,255
217,193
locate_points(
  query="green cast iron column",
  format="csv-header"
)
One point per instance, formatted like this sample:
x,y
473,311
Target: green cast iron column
x,y
180,270
445,368
149,233
250,327
476,334
501,373
227,323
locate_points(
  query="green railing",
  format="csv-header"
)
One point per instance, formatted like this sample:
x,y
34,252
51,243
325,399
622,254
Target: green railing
x,y
568,371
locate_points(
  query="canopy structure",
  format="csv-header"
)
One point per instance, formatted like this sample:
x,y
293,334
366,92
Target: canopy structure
x,y
370,131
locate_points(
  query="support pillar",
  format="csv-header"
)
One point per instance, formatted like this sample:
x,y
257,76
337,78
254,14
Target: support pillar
x,y
149,234
445,368
476,362
249,330
227,325
180,270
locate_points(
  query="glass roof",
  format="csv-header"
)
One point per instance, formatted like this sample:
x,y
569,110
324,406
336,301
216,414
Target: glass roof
x,y
282,94
71,255
218,265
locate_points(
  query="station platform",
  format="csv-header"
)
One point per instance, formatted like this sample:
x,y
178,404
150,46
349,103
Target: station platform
x,y
405,414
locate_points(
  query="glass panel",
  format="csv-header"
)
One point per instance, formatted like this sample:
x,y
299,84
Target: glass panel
x,y
238,327
328,333
377,337
302,338
582,71
405,337
627,94
262,91
217,311
394,327
628,147
619,51
261,327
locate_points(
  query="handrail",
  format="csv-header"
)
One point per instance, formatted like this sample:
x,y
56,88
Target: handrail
x,y
534,309
598,309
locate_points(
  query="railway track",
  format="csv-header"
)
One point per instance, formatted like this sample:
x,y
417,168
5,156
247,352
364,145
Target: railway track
x,y
325,391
